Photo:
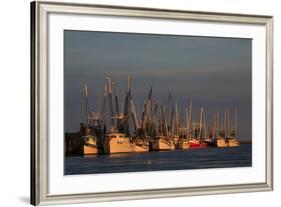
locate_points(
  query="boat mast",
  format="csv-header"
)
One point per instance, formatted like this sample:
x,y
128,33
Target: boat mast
x,y
132,105
143,115
169,103
133,111
215,126
189,119
86,108
164,121
200,123
225,125
149,105
218,129
117,114
228,122
172,123
126,105
146,109
155,118
104,108
176,119
235,123
186,119
204,123
110,100
116,98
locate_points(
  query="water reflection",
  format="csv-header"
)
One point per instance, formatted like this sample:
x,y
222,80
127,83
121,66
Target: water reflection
x,y
90,156
119,155
155,161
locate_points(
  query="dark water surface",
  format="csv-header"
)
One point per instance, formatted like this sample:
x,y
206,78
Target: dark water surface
x,y
210,157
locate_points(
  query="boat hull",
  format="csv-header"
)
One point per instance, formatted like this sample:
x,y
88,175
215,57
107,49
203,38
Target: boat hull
x,y
221,143
233,143
90,145
210,143
197,145
90,150
141,148
162,144
182,145
141,145
116,145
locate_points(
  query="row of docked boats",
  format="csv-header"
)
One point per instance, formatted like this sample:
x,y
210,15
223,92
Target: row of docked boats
x,y
157,128
119,143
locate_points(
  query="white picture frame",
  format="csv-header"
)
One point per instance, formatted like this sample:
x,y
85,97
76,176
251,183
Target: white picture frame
x,y
42,189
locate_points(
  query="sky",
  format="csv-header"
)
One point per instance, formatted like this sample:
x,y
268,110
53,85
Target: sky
x,y
214,73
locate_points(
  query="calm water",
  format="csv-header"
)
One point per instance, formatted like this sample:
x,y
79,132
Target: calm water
x,y
211,157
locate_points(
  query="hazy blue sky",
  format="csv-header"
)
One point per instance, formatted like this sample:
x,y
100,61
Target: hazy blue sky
x,y
211,72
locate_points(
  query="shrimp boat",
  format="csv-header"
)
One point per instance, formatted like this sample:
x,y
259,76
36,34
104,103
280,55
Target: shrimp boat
x,y
158,128
196,131
226,139
141,145
221,142
162,143
183,144
116,142
90,145
209,141
228,142
196,143
233,142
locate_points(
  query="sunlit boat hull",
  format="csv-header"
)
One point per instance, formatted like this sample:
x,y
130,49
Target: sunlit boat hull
x,y
162,143
90,145
194,143
232,142
221,143
141,145
90,150
182,144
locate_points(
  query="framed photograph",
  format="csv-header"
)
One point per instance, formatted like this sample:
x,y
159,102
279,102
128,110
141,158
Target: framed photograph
x,y
136,103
